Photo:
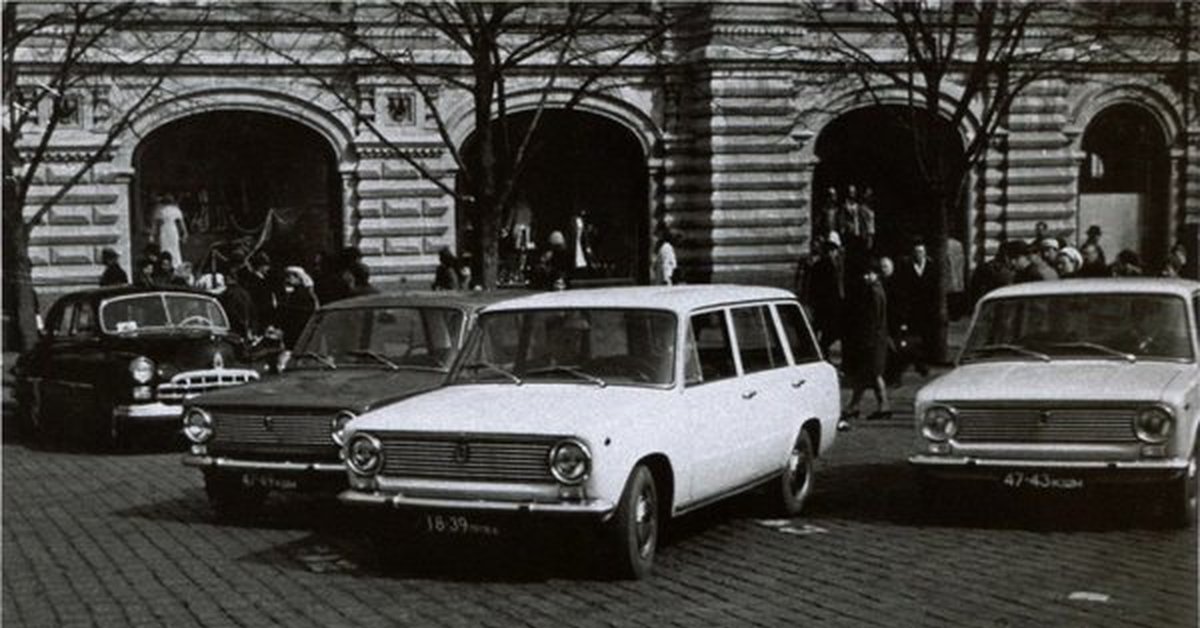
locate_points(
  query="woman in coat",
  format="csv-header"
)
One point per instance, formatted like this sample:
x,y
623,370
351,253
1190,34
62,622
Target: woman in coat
x,y
866,356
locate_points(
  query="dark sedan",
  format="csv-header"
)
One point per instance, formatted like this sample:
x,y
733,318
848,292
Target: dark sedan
x,y
284,433
112,359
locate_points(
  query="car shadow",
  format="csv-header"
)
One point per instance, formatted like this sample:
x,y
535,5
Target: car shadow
x,y
280,512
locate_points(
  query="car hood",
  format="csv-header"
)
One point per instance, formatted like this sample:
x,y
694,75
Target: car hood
x,y
183,349
557,409
1060,380
355,389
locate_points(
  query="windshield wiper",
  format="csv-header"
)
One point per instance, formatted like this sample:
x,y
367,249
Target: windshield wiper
x,y
1015,349
323,359
377,356
475,366
1083,344
569,369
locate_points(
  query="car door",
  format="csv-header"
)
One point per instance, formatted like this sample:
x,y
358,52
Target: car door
x,y
716,435
812,382
58,386
766,395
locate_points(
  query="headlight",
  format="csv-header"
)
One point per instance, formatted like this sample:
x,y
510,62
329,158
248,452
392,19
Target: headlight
x,y
197,425
1153,424
939,423
364,454
337,427
141,369
570,462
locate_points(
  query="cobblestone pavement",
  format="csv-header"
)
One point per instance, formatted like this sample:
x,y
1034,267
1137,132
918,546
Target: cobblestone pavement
x,y
115,540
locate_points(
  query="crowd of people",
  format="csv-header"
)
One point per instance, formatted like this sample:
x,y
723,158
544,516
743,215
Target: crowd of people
x,y
261,299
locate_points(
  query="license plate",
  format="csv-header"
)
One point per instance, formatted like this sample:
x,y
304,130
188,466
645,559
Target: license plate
x,y
455,525
1041,481
264,480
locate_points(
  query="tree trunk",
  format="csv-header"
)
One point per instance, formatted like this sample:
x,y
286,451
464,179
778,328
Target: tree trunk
x,y
486,215
20,302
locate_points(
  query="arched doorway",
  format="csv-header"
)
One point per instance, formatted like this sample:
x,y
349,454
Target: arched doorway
x,y
1124,182
584,174
874,148
242,179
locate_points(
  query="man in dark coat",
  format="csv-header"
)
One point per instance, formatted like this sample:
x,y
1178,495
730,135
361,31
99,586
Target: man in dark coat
x,y
113,274
828,288
917,290
994,273
239,307
256,280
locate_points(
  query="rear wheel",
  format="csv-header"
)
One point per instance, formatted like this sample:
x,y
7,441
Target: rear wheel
x,y
635,527
792,490
230,498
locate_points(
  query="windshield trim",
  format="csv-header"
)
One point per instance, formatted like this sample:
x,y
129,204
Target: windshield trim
x,y
473,338
1189,324
162,297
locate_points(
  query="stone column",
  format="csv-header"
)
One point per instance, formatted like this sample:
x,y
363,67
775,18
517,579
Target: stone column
x,y
349,178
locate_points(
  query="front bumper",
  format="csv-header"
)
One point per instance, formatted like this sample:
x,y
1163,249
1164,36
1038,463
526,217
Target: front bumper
x,y
272,466
591,508
149,412
1106,472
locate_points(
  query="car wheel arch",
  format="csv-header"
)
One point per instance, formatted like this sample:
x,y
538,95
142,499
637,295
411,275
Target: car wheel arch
x,y
664,479
812,426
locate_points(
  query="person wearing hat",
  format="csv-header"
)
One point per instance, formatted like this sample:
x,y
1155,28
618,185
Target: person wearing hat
x,y
1094,234
1068,263
113,274
828,288
1029,264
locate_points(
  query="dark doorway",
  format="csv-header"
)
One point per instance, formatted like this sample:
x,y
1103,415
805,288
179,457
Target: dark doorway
x,y
584,174
1123,183
875,148
242,180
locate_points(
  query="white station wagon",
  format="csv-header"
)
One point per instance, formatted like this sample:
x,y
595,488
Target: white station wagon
x,y
1065,384
617,406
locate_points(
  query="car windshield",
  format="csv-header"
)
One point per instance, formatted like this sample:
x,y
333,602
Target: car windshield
x,y
588,346
380,337
161,311
1127,327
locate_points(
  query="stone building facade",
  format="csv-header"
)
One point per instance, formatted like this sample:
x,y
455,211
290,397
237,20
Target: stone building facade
x,y
727,136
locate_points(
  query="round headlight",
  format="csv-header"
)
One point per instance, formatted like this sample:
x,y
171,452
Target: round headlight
x,y
570,462
939,423
1153,424
364,454
197,425
141,369
337,427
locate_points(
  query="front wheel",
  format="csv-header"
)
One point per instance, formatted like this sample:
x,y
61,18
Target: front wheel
x,y
792,490
230,498
1179,501
635,526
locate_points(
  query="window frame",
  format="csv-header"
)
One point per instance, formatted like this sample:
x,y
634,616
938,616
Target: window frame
x,y
794,361
727,319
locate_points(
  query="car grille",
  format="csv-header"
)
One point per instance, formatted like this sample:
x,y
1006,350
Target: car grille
x,y
283,432
192,383
469,457
1046,425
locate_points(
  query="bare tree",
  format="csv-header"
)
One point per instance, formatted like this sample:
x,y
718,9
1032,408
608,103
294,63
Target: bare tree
x,y
57,58
989,51
580,49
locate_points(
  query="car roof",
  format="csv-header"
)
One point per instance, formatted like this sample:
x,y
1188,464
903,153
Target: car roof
x,y
109,292
1152,285
678,298
464,299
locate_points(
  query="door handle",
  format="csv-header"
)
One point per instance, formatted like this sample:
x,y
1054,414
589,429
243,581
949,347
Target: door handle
x,y
798,383
749,394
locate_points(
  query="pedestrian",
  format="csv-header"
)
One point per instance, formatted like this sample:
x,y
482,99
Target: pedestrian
x,y
956,281
446,276
360,275
865,357
143,275
256,279
1030,265
164,270
1094,233
1041,231
1093,261
1176,261
297,303
113,274
1069,261
828,286
995,273
168,229
665,263
919,289
239,306
830,209
1128,264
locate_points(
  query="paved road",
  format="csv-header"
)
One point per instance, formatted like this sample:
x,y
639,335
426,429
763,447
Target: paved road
x,y
115,540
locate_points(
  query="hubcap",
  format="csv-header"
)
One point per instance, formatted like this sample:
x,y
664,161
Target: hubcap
x,y
645,522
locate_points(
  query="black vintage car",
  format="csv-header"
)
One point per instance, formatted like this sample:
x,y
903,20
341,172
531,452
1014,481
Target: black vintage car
x,y
284,433
112,359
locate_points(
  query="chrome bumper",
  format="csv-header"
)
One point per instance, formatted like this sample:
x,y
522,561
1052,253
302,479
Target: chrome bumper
x,y
233,464
1112,471
155,411
590,508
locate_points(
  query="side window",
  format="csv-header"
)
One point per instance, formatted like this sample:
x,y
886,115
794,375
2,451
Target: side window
x,y
85,321
62,328
713,349
758,342
799,337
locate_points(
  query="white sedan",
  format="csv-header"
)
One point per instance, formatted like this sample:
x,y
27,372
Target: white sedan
x,y
618,406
